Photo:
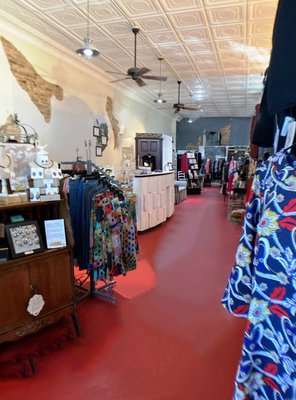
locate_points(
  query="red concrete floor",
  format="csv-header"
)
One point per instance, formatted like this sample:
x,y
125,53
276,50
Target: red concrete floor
x,y
167,337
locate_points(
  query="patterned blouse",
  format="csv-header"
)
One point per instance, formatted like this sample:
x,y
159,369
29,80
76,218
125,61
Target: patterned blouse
x,y
113,236
262,285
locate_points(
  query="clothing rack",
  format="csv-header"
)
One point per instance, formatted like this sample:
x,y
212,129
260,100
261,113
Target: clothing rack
x,y
79,167
87,168
105,291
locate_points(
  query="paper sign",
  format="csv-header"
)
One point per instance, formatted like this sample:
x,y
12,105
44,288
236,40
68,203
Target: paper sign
x,y
55,233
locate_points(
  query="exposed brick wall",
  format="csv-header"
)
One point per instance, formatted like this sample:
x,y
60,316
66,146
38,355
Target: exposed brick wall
x,y
39,90
225,135
113,120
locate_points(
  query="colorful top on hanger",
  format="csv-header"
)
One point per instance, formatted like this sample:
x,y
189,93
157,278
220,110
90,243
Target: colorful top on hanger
x,y
262,284
113,246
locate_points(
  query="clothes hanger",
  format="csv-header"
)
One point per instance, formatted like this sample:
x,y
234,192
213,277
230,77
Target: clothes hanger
x,y
119,193
291,149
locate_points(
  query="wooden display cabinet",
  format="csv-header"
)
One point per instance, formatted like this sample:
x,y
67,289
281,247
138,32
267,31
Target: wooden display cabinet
x,y
149,146
48,273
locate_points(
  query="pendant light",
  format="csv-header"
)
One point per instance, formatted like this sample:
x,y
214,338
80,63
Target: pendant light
x,y
87,51
159,98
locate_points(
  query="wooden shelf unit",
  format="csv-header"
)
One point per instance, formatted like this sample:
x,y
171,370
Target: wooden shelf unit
x,y
48,273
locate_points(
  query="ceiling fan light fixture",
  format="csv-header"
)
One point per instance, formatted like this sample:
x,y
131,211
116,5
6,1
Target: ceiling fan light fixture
x,y
190,120
87,51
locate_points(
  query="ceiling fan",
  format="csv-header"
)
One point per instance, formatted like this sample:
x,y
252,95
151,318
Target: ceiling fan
x,y
180,106
135,73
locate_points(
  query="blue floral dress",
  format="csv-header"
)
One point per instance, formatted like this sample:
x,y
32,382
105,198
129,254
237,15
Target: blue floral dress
x,y
262,285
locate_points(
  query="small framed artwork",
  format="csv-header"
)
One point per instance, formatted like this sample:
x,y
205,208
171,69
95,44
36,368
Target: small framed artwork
x,y
96,131
23,238
19,183
99,152
104,140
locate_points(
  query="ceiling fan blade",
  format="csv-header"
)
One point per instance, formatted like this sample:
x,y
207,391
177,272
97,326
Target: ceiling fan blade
x,y
140,82
142,71
178,105
155,78
190,108
121,79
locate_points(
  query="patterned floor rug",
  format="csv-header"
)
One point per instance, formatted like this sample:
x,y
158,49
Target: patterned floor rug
x,y
20,359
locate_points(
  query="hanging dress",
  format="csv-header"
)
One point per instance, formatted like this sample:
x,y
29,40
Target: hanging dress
x,y
262,285
114,244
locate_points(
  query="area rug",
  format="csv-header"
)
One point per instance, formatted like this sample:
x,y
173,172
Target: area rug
x,y
20,359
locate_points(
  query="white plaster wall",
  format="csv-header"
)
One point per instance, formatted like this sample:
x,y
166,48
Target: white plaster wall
x,y
85,97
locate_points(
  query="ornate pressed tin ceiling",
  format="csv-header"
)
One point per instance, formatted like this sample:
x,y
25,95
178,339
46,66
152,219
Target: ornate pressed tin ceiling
x,y
219,49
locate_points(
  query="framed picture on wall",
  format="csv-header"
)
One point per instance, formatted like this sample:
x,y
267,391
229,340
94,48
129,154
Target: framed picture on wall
x,y
99,152
96,131
104,140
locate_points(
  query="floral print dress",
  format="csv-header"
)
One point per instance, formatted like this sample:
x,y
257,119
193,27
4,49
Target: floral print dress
x,y
262,285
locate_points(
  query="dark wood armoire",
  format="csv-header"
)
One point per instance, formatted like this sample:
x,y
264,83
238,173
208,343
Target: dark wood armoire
x,y
149,145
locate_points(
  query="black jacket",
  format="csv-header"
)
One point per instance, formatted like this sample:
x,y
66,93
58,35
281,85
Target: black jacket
x,y
279,96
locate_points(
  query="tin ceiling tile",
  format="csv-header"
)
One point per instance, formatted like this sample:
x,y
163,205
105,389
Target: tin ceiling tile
x,y
219,47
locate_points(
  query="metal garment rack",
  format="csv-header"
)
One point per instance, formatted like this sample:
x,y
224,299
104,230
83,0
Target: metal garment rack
x,y
88,167
105,291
